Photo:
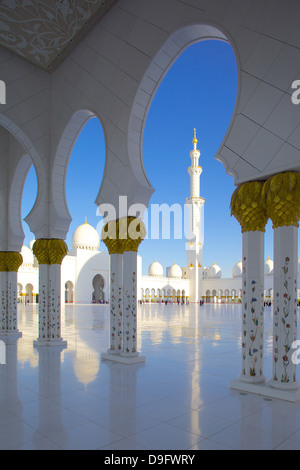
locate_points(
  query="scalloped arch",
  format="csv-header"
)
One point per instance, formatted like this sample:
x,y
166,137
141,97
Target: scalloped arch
x,y
175,45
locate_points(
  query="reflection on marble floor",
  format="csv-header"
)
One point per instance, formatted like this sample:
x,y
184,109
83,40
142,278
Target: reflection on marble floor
x,y
179,399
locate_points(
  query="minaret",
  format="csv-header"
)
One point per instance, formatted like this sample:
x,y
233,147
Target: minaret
x,y
194,246
195,170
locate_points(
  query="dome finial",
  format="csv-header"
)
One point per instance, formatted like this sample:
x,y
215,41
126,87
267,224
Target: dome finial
x,y
85,221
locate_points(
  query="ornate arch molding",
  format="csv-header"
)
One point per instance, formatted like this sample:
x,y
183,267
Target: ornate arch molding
x,y
160,65
36,217
15,228
61,217
22,138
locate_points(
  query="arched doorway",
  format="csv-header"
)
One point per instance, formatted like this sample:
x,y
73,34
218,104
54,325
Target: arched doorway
x,y
20,292
98,286
84,166
69,292
29,293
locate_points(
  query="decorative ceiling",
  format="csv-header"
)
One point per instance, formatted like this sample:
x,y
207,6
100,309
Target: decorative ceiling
x,y
44,31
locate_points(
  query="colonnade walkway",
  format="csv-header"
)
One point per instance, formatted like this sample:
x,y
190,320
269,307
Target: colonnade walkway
x,y
179,398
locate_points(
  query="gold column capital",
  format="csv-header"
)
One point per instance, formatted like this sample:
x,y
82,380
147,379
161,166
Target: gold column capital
x,y
50,251
281,195
248,208
10,261
123,235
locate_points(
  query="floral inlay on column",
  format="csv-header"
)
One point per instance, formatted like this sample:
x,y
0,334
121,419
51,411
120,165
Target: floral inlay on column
x,y
247,207
283,321
122,238
50,254
10,262
130,318
282,195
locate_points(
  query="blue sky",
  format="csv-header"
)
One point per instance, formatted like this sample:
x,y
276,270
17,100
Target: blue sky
x,y
199,91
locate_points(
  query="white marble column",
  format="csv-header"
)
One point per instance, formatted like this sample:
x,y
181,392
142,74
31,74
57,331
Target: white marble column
x,y
248,208
115,303
129,304
285,307
122,238
12,302
50,306
282,198
50,254
54,309
253,307
10,263
3,300
43,302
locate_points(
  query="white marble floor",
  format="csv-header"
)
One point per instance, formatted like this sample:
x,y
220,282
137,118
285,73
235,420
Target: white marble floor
x,y
179,399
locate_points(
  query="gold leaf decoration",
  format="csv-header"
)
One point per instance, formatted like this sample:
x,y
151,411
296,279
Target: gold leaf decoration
x,y
123,235
10,261
248,208
50,251
281,194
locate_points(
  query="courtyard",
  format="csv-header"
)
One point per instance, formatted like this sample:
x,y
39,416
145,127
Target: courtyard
x,y
179,399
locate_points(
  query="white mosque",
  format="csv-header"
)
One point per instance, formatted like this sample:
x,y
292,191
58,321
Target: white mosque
x,y
85,269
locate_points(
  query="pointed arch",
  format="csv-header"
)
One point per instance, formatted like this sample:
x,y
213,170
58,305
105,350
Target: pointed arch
x,y
35,218
175,45
15,228
62,217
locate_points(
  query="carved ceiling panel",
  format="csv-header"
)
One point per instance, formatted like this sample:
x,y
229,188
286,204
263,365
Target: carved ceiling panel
x,y
44,31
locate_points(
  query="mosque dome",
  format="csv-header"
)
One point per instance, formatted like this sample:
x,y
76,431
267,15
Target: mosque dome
x,y
27,255
237,269
86,238
214,272
155,269
269,267
175,271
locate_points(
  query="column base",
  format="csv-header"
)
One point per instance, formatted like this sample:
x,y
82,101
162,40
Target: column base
x,y
50,343
10,336
112,352
267,390
252,380
123,358
284,386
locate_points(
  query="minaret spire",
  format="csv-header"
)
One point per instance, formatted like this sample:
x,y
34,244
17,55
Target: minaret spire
x,y
195,170
195,141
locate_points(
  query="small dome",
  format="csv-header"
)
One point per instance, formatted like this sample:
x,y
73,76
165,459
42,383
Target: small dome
x,y
27,255
269,267
214,272
86,238
155,269
175,271
237,269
